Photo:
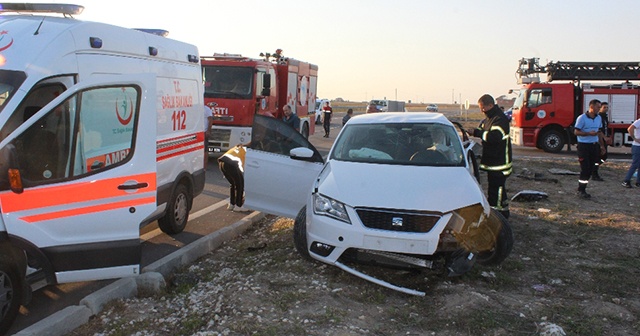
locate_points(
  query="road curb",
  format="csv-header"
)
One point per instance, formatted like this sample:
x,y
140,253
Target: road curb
x,y
152,279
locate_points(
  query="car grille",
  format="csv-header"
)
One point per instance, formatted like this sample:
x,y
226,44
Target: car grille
x,y
398,220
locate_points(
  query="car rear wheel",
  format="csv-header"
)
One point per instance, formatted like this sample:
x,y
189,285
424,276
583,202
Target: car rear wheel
x,y
300,233
504,243
10,294
177,214
305,130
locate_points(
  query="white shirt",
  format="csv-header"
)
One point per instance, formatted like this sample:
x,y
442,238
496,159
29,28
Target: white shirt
x,y
207,114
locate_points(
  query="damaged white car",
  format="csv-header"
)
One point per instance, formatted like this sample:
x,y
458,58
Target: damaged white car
x,y
397,190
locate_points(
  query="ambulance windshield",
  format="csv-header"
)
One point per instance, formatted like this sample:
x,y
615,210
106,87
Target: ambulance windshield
x,y
228,82
10,81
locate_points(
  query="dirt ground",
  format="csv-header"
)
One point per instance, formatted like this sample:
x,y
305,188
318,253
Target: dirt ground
x,y
574,270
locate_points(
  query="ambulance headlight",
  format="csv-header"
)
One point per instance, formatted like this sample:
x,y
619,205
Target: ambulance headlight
x,y
325,206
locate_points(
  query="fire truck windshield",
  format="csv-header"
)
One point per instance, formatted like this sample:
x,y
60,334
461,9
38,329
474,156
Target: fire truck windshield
x,y
10,81
228,82
520,100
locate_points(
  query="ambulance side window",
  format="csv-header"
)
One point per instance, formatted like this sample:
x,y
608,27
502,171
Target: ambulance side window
x,y
105,130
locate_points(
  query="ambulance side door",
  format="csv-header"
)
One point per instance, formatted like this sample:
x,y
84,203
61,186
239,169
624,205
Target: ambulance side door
x,y
87,162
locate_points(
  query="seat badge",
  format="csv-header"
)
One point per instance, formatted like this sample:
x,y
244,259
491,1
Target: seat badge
x,y
396,221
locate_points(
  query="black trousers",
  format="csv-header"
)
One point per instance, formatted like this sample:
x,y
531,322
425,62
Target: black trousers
x,y
326,123
231,171
497,191
588,156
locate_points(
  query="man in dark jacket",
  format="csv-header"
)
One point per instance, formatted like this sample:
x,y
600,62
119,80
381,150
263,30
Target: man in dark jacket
x,y
496,152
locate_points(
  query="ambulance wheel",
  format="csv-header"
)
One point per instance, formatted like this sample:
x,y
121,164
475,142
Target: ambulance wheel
x,y
11,290
504,243
177,214
305,131
300,233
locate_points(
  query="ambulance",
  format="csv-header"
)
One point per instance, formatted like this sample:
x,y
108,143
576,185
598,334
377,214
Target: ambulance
x,y
101,133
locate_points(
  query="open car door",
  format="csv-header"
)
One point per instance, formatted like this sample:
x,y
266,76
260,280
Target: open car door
x,y
280,168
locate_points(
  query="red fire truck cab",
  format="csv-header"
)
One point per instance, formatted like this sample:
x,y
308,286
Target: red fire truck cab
x,y
544,113
237,87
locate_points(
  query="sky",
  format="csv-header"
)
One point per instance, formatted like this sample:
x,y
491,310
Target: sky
x,y
419,50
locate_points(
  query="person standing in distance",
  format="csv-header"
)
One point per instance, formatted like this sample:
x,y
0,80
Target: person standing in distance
x,y
327,111
347,116
603,138
587,130
290,118
634,133
496,152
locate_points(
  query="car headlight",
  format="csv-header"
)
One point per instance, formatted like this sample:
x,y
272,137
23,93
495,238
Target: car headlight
x,y
326,206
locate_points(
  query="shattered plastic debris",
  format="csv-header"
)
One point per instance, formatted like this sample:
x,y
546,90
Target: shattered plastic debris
x,y
541,288
529,196
543,210
557,171
551,329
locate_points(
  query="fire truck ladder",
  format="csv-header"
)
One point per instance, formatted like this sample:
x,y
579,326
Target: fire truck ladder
x,y
578,71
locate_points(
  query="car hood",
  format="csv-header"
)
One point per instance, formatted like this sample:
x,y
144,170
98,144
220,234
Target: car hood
x,y
440,189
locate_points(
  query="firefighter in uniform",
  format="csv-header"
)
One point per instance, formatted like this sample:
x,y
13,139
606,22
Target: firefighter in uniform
x,y
496,152
232,167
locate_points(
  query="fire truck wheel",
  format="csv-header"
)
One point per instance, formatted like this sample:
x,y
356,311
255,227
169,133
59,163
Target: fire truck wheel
x,y
552,141
504,243
305,131
10,294
300,233
175,219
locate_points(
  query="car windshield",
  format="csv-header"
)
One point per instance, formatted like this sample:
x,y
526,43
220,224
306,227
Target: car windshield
x,y
418,144
10,81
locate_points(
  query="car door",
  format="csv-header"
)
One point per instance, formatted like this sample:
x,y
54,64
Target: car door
x,y
281,167
89,180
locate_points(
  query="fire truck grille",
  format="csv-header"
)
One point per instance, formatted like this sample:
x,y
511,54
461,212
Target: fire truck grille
x,y
220,135
398,220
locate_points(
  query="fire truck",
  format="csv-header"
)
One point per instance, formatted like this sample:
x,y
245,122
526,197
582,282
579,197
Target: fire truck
x,y
237,88
544,112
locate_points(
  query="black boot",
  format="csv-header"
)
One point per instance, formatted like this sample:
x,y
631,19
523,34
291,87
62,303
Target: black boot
x,y
582,191
594,175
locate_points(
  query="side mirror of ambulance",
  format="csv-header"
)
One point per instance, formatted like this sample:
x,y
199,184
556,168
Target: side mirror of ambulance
x,y
9,172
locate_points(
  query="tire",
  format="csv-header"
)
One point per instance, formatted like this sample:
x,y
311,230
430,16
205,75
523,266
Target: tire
x,y
305,130
552,141
300,233
175,219
11,290
473,165
504,243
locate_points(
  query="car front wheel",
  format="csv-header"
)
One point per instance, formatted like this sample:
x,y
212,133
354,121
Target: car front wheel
x,y
300,233
504,243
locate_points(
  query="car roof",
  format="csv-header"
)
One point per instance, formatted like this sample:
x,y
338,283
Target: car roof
x,y
400,117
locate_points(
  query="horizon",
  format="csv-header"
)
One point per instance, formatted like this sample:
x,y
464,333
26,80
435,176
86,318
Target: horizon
x,y
418,50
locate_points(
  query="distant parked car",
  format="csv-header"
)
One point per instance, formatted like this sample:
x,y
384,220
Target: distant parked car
x,y
509,113
432,108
